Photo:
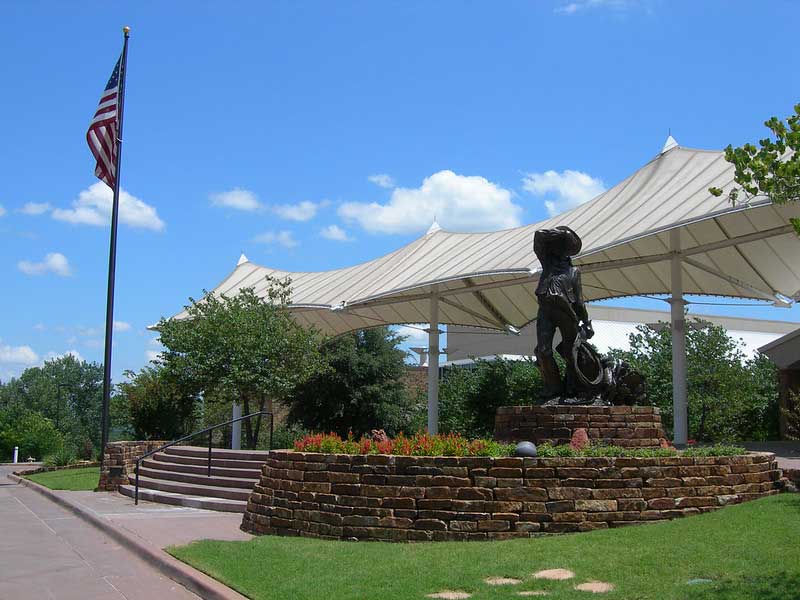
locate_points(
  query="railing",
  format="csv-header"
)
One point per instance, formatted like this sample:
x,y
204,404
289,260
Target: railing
x,y
209,431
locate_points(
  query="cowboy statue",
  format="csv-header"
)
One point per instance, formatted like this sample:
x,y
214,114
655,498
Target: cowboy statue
x,y
589,378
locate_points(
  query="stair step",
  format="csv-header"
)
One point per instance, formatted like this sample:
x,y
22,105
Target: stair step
x,y
221,453
203,461
164,497
161,464
191,489
200,479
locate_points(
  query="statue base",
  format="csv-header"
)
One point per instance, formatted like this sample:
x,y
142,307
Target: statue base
x,y
625,426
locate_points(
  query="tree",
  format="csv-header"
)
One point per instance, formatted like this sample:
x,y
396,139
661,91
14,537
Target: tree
x,y
361,388
469,398
241,349
773,169
68,392
155,405
729,397
34,434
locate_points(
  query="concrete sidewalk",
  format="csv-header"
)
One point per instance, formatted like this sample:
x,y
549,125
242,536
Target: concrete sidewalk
x,y
48,552
160,525
125,555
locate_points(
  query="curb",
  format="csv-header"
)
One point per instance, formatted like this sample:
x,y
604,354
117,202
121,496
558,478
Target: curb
x,y
201,584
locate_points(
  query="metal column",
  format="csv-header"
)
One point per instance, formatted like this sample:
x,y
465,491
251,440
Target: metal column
x,y
433,367
236,427
680,409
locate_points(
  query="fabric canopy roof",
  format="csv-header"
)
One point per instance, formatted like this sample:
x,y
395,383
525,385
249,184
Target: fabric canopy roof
x,y
488,279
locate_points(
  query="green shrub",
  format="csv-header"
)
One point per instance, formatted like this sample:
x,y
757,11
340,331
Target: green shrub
x,y
62,457
284,436
35,435
469,398
158,407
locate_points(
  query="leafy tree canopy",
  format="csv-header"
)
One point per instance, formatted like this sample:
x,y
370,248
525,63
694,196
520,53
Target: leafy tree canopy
x,y
361,388
771,169
730,397
154,405
67,392
241,348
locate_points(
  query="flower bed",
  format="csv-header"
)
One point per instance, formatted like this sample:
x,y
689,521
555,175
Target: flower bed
x,y
422,444
407,498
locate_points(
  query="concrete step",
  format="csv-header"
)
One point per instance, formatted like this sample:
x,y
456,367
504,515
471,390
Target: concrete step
x,y
164,497
161,464
215,462
191,489
220,453
200,479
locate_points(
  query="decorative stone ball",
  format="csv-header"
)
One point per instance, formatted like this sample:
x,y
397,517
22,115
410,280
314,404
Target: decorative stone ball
x,y
525,449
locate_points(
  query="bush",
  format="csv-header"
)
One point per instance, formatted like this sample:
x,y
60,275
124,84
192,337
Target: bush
x,y
34,434
62,457
158,408
469,398
360,389
420,444
600,450
284,436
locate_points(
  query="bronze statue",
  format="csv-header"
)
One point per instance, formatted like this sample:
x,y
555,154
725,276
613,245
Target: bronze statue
x,y
589,378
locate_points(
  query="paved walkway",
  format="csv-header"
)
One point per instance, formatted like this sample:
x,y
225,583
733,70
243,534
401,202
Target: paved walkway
x,y
47,552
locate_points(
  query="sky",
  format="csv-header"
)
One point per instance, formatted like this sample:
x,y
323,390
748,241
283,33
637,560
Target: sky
x,y
314,135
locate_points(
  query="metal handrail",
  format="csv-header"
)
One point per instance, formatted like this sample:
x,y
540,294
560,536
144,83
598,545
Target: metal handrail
x,y
207,430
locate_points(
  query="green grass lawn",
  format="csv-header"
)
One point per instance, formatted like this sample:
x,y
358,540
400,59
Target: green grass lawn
x,y
749,551
85,478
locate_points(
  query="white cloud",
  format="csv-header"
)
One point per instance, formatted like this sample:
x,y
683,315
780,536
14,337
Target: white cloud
x,y
282,238
302,211
237,199
93,207
566,190
17,355
40,327
382,179
414,334
54,262
2,210
55,355
578,6
121,326
35,209
457,202
151,355
335,233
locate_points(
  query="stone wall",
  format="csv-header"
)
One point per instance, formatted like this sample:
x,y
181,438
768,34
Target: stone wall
x,y
626,426
405,498
119,461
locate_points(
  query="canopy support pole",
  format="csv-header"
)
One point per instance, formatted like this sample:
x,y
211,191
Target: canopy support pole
x,y
680,409
236,427
433,366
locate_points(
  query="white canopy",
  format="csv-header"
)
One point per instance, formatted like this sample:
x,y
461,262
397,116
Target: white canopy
x,y
487,279
659,231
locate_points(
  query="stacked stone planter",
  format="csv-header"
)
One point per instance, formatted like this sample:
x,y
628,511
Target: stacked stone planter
x,y
119,462
406,498
625,426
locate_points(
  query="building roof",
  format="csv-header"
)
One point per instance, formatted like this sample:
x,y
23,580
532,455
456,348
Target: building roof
x,y
785,351
612,326
487,279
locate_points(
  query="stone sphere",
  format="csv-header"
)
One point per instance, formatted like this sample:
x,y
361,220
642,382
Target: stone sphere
x,y
525,449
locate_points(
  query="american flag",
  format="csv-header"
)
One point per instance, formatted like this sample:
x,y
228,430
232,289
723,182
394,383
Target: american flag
x,y
102,134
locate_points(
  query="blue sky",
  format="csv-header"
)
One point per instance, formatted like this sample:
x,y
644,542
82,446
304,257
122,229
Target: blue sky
x,y
313,135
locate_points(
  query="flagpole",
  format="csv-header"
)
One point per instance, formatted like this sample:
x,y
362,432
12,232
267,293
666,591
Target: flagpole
x,y
112,252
